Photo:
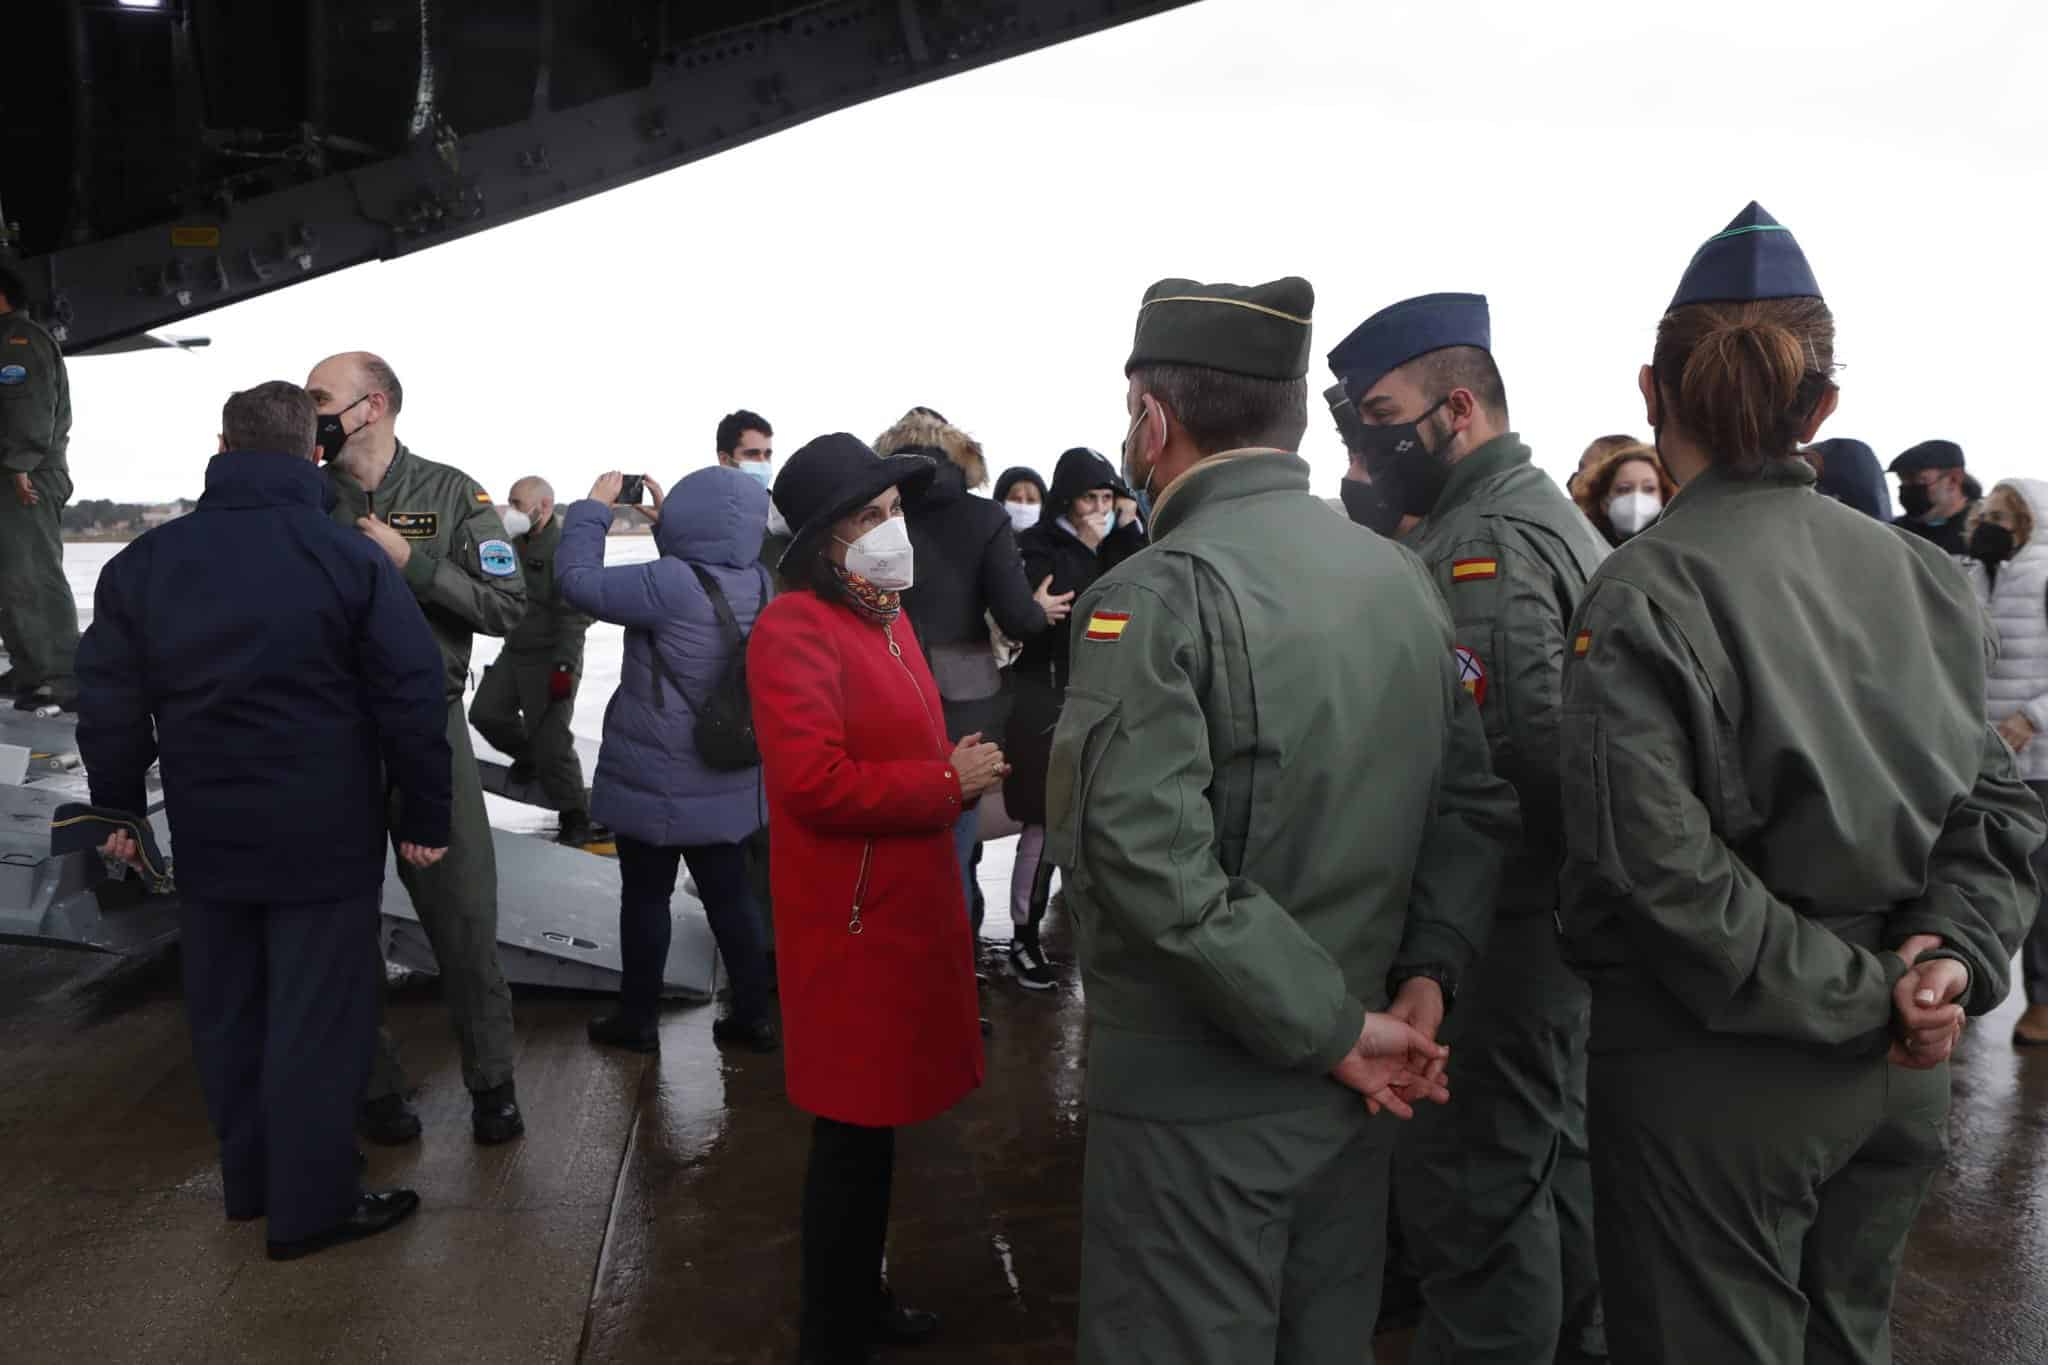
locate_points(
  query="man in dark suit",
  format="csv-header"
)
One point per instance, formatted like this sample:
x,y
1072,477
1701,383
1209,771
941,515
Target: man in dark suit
x,y
280,669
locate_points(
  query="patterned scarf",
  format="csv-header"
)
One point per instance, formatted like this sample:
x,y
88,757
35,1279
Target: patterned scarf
x,y
879,605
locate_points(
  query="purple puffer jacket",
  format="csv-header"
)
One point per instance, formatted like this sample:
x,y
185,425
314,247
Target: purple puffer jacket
x,y
650,784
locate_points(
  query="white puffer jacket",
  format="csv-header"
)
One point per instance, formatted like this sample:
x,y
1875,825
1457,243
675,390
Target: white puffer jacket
x,y
2018,680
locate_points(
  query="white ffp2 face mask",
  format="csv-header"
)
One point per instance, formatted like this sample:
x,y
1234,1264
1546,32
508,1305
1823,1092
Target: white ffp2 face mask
x,y
517,523
1023,515
883,556
1105,522
1632,513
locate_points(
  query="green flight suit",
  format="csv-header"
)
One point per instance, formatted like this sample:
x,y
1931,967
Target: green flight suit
x,y
35,431
1495,1195
1776,766
515,708
1271,802
466,576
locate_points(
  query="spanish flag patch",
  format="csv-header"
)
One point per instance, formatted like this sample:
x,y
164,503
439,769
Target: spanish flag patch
x,y
1107,625
483,497
1473,570
1583,643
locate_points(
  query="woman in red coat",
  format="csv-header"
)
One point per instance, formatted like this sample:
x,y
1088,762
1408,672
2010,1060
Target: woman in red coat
x,y
878,994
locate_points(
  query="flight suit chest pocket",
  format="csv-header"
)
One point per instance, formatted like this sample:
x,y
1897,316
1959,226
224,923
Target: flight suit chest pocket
x,y
1087,722
1588,820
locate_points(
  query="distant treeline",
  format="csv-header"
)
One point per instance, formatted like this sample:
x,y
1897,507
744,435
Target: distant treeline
x,y
104,516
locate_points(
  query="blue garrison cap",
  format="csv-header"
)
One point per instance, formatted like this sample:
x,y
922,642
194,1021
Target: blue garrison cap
x,y
1754,257
1400,332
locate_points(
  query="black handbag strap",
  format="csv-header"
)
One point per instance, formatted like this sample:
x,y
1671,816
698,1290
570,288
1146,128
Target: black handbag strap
x,y
735,638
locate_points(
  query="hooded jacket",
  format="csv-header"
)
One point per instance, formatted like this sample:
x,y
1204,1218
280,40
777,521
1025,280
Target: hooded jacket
x,y
1051,550
966,556
650,783
1851,475
2017,600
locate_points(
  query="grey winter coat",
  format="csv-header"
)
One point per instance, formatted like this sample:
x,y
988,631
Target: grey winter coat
x,y
650,783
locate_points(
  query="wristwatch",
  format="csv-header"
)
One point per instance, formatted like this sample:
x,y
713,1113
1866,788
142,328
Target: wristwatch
x,y
1445,977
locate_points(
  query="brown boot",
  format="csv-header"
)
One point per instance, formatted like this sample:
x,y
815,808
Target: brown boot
x,y
2032,1028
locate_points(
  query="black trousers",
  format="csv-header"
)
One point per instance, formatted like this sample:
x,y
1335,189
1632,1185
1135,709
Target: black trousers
x,y
283,1004
845,1224
647,885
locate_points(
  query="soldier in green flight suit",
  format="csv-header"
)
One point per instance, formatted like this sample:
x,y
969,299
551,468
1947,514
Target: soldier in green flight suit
x,y
443,532
527,698
40,616
1495,1193
1275,812
1797,854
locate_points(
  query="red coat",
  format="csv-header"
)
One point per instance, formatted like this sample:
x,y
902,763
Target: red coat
x,y
879,1027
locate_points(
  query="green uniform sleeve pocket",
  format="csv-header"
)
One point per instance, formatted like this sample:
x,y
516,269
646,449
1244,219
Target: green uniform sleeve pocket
x,y
1588,820
1087,722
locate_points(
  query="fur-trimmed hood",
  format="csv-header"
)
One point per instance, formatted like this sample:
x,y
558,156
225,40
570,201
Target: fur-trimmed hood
x,y
924,432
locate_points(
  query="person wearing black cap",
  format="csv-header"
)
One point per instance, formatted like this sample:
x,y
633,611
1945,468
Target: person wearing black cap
x,y
1020,492
1936,494
1368,492
1081,539
1250,697
1495,1194
864,788
1786,886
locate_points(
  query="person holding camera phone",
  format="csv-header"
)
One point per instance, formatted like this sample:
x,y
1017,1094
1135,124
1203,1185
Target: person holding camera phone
x,y
671,788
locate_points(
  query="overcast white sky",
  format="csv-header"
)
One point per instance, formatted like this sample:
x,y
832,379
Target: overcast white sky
x,y
979,245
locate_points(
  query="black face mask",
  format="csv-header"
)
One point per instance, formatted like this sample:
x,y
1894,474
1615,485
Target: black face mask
x,y
1365,505
1419,475
1991,543
1916,499
329,435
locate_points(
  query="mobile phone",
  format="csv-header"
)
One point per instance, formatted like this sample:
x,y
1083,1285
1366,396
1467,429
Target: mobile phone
x,y
633,491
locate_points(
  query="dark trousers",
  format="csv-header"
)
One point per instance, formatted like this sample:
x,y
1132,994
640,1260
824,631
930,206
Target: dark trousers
x,y
283,1003
2034,950
647,876
845,1225
520,718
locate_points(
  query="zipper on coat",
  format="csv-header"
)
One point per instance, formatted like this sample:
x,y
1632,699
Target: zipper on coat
x,y
896,653
867,852
860,887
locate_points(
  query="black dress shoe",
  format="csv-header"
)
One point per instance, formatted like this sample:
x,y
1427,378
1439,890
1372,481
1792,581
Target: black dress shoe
x,y
388,1121
375,1211
758,1035
896,1325
494,1115
615,1030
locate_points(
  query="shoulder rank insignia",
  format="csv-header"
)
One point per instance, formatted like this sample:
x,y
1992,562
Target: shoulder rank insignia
x,y
1107,625
1582,644
1472,570
1472,675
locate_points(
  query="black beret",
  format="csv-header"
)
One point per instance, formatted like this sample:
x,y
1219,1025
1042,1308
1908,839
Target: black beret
x,y
1259,330
1929,455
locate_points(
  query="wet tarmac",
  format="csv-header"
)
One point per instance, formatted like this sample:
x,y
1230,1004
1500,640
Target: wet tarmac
x,y
650,1214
